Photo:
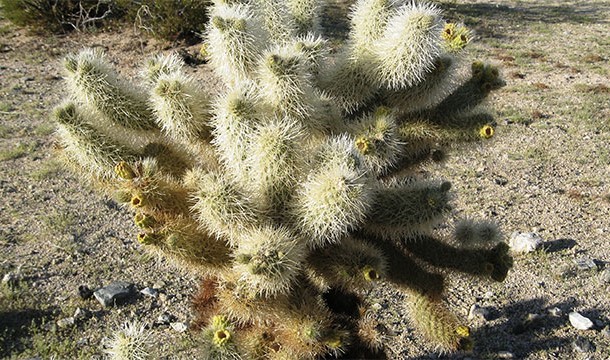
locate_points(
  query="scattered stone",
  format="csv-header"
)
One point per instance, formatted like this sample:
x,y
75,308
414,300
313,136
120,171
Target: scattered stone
x,y
114,293
81,314
583,345
505,355
477,312
585,264
84,292
605,275
525,242
489,295
159,285
179,326
164,319
580,322
606,332
501,180
150,292
66,322
556,312
164,297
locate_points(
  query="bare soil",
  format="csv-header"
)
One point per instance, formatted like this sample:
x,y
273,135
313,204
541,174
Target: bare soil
x,y
546,170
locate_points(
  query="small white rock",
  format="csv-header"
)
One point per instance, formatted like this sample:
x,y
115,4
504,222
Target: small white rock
x,y
179,326
505,355
150,292
580,322
556,312
524,242
65,322
477,312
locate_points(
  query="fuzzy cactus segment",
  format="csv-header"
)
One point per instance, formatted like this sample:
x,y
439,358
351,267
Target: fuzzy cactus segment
x,y
295,187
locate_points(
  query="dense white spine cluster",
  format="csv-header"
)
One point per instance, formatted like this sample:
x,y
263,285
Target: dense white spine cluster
x,y
294,185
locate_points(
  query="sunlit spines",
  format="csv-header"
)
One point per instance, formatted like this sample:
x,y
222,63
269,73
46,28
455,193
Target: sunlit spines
x,y
442,79
285,84
378,140
409,45
404,209
181,109
274,157
97,85
315,51
438,324
268,260
349,81
236,118
275,19
335,197
368,19
305,15
95,152
234,42
158,65
221,207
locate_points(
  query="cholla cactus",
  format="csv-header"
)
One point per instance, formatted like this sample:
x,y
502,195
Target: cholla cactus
x,y
294,188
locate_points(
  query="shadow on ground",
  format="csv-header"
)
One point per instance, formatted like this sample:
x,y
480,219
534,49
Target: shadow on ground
x,y
488,19
519,333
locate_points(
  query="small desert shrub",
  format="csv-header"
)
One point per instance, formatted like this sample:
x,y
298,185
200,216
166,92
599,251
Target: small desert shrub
x,y
168,19
58,15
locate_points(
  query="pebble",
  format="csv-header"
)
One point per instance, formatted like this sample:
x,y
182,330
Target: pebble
x,y
583,345
556,312
489,295
525,242
505,355
179,326
84,292
605,275
159,285
585,264
580,322
164,319
114,293
606,332
148,291
66,322
81,314
477,312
